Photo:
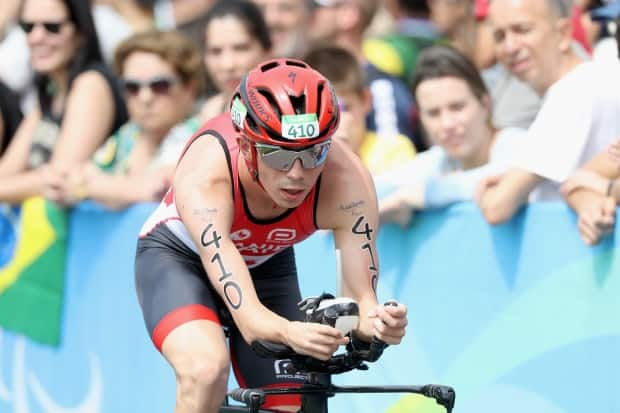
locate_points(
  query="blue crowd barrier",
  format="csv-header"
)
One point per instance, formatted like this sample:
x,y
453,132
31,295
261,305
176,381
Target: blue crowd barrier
x,y
520,317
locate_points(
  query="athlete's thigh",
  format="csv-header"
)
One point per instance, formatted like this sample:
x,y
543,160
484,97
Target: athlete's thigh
x,y
172,286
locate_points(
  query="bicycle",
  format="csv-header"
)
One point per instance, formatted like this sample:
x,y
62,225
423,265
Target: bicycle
x,y
318,388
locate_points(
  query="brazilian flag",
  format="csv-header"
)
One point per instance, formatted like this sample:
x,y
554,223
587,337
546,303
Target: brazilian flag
x,y
33,240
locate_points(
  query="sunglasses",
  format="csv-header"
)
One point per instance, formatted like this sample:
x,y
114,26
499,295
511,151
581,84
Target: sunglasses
x,y
50,27
282,159
158,85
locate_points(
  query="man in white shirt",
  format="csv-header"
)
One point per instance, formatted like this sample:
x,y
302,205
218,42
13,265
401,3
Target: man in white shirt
x,y
579,115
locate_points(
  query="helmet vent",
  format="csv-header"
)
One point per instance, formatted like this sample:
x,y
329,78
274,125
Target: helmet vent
x,y
299,104
268,66
272,102
319,101
296,63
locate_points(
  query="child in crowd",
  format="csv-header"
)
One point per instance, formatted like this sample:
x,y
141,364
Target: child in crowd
x,y
341,68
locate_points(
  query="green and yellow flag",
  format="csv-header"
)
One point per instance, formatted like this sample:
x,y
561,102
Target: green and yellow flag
x,y
32,269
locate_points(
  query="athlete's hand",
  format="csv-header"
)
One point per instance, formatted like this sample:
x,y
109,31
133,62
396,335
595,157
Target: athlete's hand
x,y
312,339
389,322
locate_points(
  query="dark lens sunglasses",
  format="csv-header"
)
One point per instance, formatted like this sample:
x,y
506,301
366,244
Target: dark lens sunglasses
x,y
158,85
282,159
50,27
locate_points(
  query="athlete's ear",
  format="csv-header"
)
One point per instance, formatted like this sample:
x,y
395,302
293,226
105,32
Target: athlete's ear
x,y
244,145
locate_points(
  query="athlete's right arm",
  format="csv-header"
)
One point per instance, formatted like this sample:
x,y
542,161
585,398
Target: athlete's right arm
x,y
203,195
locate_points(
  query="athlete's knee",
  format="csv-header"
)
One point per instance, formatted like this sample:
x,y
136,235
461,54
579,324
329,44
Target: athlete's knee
x,y
200,374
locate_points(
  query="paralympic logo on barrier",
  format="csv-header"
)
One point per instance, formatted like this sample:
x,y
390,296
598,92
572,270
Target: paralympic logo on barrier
x,y
24,382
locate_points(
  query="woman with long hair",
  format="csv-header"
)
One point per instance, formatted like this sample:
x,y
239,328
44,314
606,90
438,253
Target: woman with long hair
x,y
79,101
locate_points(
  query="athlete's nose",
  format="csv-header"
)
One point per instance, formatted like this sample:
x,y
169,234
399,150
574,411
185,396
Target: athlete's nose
x,y
297,170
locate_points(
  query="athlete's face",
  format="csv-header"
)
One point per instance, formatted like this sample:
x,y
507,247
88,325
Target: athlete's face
x,y
288,188
230,52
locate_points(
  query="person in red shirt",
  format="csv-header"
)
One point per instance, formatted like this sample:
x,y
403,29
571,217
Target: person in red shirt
x,y
218,250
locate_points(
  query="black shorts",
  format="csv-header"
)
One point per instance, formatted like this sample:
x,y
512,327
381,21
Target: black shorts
x,y
173,288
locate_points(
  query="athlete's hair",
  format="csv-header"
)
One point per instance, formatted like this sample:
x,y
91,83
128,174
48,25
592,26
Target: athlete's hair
x,y
340,67
445,61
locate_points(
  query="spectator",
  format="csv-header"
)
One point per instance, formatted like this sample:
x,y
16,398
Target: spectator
x,y
343,23
396,54
10,116
79,105
465,26
288,25
116,20
236,39
455,109
163,75
593,192
343,70
602,22
579,116
186,16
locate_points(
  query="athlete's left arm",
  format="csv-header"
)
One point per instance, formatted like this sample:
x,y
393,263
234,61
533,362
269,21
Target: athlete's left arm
x,y
348,206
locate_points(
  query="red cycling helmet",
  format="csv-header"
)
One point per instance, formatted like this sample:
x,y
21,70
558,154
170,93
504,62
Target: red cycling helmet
x,y
267,105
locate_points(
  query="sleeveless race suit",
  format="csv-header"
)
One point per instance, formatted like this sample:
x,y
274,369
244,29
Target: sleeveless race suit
x,y
173,287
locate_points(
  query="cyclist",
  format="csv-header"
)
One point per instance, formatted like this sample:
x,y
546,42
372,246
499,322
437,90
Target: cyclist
x,y
220,243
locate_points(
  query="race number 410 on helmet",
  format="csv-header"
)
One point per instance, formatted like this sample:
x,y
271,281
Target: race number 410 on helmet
x,y
286,111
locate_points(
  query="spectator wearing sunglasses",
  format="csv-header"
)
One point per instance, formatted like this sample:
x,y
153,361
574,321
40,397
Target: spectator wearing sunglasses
x,y
236,39
79,101
343,70
249,185
163,76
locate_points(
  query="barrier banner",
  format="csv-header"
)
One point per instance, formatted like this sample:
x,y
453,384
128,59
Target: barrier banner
x,y
520,317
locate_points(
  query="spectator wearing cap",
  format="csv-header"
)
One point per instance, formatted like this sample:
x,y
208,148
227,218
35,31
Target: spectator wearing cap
x,y
579,115
343,23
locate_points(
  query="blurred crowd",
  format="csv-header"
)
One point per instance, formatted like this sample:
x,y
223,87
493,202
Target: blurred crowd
x,y
499,102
